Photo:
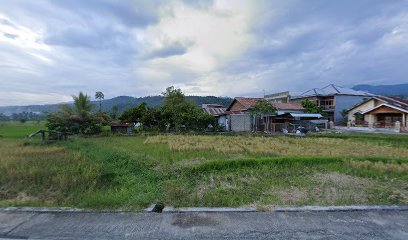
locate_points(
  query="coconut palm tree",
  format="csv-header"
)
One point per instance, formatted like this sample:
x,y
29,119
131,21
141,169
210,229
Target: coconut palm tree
x,y
100,96
82,104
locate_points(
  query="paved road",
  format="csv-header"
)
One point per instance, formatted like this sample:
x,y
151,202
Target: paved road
x,y
230,225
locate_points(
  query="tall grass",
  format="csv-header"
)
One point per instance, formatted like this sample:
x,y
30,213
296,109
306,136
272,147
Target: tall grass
x,y
132,172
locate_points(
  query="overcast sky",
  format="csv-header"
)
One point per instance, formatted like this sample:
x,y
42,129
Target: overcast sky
x,y
50,50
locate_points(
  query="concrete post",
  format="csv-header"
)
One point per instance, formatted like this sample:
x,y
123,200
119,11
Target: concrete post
x,y
371,121
331,124
349,124
398,126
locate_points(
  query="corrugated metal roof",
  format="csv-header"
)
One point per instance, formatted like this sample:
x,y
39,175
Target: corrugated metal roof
x,y
250,102
306,115
332,90
214,109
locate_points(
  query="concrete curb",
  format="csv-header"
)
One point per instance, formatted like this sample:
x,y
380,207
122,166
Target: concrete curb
x,y
214,210
351,208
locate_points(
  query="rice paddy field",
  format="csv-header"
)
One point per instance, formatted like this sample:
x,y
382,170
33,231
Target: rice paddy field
x,y
131,172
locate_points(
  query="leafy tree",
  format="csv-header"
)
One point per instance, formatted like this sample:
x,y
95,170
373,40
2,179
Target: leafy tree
x,y
344,115
177,112
77,119
100,96
261,108
140,114
311,107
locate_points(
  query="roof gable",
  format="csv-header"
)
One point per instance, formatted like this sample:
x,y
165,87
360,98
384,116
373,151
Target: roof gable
x,y
386,105
245,103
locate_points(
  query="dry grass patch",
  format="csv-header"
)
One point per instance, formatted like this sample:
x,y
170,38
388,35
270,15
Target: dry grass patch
x,y
291,195
393,167
281,146
332,188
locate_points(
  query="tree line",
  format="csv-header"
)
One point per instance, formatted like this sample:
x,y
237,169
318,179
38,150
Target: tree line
x,y
22,117
175,114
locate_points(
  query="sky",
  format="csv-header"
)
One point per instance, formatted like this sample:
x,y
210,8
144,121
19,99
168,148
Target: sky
x,y
52,49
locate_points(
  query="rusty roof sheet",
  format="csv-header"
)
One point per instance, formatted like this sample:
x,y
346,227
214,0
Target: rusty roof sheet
x,y
287,106
214,109
121,124
248,102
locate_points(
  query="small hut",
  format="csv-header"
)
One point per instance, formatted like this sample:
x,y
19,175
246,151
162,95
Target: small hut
x,y
121,128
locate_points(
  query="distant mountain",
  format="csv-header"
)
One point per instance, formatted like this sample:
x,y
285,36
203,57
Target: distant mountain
x,y
400,90
122,102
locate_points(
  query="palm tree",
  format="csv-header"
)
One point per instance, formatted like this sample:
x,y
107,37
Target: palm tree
x,y
82,103
100,97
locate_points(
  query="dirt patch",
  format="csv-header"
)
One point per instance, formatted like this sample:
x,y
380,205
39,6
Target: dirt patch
x,y
292,195
331,188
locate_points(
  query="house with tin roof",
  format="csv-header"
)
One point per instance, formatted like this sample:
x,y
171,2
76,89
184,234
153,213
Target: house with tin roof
x,y
334,99
380,112
239,117
217,111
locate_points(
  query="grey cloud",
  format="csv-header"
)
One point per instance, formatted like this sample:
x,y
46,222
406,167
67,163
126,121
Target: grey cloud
x,y
88,37
173,49
11,36
128,12
5,22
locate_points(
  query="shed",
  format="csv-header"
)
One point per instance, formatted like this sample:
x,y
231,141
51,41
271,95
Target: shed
x,y
121,127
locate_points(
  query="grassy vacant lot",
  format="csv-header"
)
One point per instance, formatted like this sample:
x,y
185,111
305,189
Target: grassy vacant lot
x,y
187,170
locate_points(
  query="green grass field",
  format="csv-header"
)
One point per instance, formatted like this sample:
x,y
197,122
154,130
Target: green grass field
x,y
186,170
15,129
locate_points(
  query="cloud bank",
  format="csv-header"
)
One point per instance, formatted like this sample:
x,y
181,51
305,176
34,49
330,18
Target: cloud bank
x,y
50,50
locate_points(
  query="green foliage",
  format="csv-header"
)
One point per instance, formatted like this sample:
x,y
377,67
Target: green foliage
x,y
140,114
311,107
100,96
344,115
262,107
177,113
77,119
82,103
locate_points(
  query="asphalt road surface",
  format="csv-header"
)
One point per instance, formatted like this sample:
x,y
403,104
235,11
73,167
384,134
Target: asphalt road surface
x,y
228,225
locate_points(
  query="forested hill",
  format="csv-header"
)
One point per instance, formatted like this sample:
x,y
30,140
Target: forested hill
x,y
122,102
400,90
